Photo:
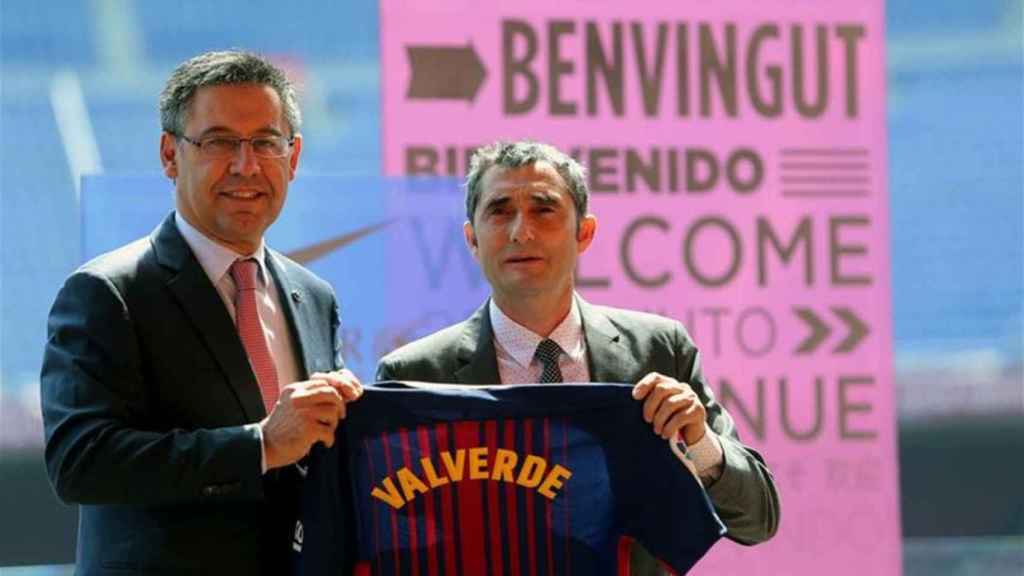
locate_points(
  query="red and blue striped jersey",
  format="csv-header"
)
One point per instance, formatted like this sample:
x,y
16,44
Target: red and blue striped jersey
x,y
505,480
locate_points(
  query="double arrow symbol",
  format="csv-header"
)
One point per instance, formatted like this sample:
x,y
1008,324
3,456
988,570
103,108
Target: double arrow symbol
x,y
445,73
856,330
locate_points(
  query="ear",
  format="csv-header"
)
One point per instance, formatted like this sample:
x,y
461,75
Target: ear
x,y
169,154
293,160
588,227
467,230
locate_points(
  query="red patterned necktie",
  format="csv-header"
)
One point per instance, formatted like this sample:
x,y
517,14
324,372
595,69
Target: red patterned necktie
x,y
247,319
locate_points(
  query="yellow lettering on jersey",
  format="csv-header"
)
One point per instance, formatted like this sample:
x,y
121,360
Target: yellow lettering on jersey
x,y
391,495
432,478
554,481
410,484
532,471
504,465
478,463
454,468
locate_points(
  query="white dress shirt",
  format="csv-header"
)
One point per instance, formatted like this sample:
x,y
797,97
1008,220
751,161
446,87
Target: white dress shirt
x,y
515,344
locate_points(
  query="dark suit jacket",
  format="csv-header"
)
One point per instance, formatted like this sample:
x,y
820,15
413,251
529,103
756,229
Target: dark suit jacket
x,y
146,389
622,346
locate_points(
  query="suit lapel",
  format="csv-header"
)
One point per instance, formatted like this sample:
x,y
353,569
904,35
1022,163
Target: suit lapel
x,y
475,353
201,303
608,357
296,302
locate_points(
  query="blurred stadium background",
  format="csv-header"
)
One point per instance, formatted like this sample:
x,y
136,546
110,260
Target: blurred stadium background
x,y
78,95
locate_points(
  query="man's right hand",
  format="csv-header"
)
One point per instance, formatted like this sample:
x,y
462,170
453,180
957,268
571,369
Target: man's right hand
x,y
306,412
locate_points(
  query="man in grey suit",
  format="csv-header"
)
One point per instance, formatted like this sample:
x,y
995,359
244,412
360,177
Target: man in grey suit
x,y
526,205
185,373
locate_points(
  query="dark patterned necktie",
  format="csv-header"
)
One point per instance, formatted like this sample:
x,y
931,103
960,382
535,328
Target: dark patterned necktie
x,y
547,353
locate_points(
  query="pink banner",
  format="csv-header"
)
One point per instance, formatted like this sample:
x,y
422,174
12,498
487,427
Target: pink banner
x,y
737,160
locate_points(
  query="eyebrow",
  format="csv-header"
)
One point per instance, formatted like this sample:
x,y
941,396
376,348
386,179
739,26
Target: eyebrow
x,y
225,130
544,198
496,202
540,197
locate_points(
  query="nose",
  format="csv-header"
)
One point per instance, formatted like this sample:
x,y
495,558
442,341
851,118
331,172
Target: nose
x,y
245,162
521,229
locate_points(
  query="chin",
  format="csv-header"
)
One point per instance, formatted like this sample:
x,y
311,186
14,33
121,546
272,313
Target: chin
x,y
529,291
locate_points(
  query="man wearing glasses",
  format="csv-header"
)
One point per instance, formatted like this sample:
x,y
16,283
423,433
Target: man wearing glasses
x,y
186,372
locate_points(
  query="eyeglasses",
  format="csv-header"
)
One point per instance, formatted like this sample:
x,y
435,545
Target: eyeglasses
x,y
227,146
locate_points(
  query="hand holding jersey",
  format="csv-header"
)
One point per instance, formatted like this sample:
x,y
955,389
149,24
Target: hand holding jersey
x,y
307,412
671,407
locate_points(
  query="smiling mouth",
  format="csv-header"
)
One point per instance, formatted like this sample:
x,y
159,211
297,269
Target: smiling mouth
x,y
243,194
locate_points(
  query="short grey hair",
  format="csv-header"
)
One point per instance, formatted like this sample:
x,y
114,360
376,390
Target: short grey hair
x,y
525,153
219,68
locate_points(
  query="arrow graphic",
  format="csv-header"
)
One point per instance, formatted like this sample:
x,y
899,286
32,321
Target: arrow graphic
x,y
857,330
445,73
819,330
310,253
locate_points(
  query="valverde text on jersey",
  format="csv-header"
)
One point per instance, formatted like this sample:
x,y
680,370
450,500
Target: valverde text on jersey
x,y
478,463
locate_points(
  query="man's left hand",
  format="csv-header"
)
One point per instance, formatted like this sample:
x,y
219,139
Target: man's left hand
x,y
671,407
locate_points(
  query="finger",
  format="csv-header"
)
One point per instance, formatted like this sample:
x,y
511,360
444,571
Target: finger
x,y
345,382
643,387
299,390
331,405
323,395
351,390
680,419
654,400
674,403
329,378
325,434
317,428
324,414
327,402
335,376
315,381
354,385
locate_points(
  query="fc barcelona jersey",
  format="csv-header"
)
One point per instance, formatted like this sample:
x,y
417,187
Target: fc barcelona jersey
x,y
505,480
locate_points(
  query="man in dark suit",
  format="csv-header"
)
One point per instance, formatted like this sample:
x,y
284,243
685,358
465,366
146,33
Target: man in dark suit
x,y
526,205
186,372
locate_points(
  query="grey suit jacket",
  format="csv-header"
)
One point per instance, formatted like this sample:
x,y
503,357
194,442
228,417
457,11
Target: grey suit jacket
x,y
622,346
146,390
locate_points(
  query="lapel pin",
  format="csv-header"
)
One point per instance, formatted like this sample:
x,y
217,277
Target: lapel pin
x,y
296,296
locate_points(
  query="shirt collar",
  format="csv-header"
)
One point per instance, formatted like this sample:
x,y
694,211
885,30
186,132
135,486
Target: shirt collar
x,y
521,343
215,259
